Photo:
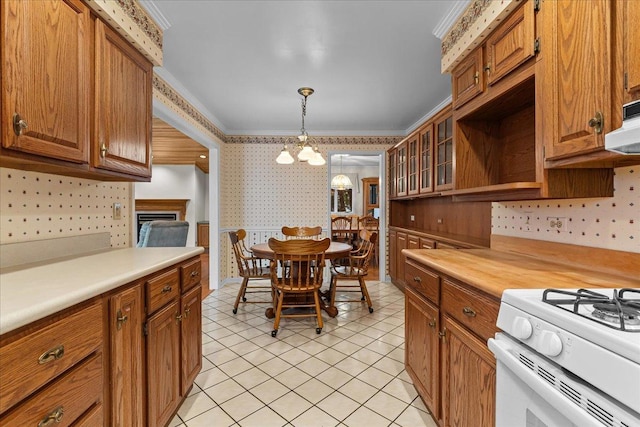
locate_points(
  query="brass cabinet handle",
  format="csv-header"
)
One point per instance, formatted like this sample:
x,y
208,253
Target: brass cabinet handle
x,y
103,150
476,77
19,124
432,324
52,417
597,122
194,273
487,68
178,317
166,289
51,355
187,310
443,333
468,311
417,279
121,319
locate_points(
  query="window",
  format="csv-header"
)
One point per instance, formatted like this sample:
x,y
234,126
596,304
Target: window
x,y
342,200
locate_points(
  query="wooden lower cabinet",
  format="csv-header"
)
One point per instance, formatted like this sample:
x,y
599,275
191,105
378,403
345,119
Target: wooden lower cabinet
x,y
422,348
468,378
448,360
163,364
126,317
191,342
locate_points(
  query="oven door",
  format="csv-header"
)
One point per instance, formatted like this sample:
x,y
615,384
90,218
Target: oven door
x,y
524,398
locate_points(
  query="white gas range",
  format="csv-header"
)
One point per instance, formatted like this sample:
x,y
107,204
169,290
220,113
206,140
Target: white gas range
x,y
568,358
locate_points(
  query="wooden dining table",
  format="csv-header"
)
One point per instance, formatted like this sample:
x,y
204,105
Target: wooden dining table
x,y
336,250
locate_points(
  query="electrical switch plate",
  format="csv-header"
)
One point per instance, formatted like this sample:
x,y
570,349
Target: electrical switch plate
x,y
413,217
527,226
117,211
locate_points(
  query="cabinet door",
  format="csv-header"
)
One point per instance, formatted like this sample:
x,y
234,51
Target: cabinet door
x,y
392,174
631,16
45,78
127,386
401,170
444,154
579,89
401,243
511,44
467,78
393,255
122,105
412,165
468,378
163,365
191,340
426,159
422,348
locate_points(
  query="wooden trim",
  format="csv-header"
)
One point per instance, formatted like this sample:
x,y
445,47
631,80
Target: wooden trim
x,y
179,205
619,263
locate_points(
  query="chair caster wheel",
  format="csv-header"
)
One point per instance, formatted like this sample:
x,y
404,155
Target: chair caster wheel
x,y
370,309
318,330
235,310
244,299
274,333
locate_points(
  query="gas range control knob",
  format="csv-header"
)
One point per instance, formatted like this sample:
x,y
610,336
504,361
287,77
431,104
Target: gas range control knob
x,y
550,344
521,328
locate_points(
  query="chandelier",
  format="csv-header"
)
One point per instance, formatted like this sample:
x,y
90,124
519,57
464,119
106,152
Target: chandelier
x,y
340,181
307,150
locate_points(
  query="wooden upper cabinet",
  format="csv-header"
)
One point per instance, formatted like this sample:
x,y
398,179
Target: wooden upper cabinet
x,y
412,165
631,37
122,105
425,152
576,79
401,170
444,151
511,44
467,78
392,173
45,78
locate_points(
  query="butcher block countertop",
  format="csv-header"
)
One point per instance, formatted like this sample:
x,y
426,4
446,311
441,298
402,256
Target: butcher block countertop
x,y
31,293
492,271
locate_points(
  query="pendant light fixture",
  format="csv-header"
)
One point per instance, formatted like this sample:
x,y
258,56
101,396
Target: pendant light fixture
x,y
340,181
306,151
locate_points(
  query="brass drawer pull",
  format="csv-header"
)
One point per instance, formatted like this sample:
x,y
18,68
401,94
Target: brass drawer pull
x,y
54,416
468,311
476,77
166,289
432,324
194,273
103,150
186,312
51,355
417,279
121,319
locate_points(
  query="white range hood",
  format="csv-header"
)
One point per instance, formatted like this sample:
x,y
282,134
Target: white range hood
x,y
626,139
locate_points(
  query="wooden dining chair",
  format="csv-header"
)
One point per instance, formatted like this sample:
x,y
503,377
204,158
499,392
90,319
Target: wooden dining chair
x,y
356,269
368,222
341,230
297,285
302,232
249,268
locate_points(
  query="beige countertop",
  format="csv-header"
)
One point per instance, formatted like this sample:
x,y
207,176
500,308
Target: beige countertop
x,y
493,271
31,293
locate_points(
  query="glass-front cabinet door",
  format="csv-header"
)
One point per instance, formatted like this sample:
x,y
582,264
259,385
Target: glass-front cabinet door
x,y
392,173
412,165
444,153
401,170
426,159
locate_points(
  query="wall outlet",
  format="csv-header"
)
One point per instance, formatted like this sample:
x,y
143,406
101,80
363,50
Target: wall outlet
x,y
412,217
557,223
117,211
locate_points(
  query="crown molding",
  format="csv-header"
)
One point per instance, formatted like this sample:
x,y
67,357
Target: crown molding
x,y
430,114
320,140
450,18
155,14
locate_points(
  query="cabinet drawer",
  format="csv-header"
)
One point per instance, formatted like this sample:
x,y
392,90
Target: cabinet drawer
x,y
162,289
422,281
476,312
69,397
33,360
190,274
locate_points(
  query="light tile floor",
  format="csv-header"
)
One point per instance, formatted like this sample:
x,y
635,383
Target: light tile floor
x,y
352,374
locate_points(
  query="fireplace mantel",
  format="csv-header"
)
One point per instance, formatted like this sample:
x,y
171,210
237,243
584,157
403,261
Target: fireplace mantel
x,y
160,205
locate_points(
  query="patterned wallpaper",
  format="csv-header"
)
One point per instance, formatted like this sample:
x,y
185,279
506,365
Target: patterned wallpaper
x,y
611,223
37,206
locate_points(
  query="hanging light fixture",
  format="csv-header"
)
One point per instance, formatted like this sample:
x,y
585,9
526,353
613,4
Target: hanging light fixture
x,y
340,181
306,151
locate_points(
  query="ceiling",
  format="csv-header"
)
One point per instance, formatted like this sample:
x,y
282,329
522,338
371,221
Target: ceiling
x,y
374,65
172,147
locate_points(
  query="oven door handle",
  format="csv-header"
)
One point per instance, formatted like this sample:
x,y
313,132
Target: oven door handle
x,y
501,346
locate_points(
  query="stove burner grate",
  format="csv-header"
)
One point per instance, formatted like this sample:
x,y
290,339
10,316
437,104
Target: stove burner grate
x,y
615,312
